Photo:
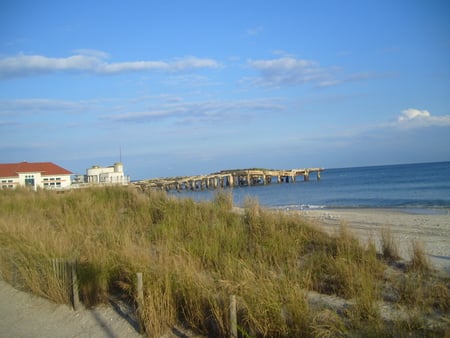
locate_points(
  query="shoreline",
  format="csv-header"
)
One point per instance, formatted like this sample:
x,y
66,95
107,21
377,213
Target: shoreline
x,y
403,210
431,229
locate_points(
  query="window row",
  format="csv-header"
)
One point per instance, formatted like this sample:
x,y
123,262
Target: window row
x,y
52,184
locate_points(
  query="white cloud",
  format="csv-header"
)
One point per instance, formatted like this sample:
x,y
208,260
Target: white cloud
x,y
92,52
189,80
16,107
122,67
288,70
191,62
414,118
411,114
92,61
202,111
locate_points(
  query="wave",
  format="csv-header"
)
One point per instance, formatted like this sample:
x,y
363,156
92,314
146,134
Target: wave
x,y
300,207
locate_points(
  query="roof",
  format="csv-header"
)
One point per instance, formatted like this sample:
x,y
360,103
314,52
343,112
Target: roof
x,y
45,168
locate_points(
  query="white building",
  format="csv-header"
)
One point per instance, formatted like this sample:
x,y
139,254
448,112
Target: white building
x,y
35,175
107,175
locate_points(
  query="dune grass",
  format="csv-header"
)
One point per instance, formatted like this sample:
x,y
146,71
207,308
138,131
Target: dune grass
x,y
194,255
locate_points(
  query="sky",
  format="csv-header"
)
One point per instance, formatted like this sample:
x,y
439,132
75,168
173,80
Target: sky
x,y
174,88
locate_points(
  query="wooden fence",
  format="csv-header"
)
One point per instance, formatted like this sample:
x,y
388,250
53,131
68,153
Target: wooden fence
x,y
64,271
58,272
141,305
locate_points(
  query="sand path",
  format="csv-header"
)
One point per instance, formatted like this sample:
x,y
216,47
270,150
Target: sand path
x,y
24,315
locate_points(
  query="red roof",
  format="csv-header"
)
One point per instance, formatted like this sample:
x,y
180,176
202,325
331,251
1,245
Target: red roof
x,y
45,168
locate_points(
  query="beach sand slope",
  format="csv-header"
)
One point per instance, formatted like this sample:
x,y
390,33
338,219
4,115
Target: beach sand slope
x,y
432,230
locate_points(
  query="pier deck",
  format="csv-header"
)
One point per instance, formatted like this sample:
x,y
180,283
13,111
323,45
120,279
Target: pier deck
x,y
229,178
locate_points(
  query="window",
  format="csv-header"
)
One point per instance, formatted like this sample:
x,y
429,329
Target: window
x,y
29,180
7,186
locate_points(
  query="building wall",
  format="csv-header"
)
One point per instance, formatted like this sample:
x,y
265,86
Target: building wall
x,y
36,180
95,174
56,182
32,179
8,182
107,175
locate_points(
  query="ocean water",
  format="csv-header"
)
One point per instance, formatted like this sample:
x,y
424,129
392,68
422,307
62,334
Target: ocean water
x,y
422,188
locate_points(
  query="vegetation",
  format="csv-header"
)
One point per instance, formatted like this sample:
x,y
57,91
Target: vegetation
x,y
193,256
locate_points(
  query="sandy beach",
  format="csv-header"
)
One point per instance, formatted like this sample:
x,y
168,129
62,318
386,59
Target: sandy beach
x,y
431,229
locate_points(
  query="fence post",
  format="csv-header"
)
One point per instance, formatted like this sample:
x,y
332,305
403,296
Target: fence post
x,y
74,283
233,317
140,299
15,274
66,273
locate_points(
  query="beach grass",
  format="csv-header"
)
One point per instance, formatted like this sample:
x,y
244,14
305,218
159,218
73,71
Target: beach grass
x,y
194,255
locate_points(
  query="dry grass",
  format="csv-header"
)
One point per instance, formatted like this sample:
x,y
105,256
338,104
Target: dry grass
x,y
419,260
389,247
193,256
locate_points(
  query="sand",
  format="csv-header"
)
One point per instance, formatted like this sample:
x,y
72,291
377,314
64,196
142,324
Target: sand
x,y
25,315
430,229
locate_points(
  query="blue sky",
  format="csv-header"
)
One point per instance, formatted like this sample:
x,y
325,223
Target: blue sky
x,y
192,87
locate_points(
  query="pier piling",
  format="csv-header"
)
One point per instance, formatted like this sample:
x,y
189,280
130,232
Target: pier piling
x,y
229,178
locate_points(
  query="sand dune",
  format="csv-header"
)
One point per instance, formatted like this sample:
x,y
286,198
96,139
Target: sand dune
x,y
431,229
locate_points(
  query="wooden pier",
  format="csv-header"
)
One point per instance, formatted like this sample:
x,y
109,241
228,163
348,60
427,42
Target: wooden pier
x,y
229,178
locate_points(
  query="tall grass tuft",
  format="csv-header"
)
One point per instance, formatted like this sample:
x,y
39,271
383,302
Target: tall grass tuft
x,y
389,246
419,260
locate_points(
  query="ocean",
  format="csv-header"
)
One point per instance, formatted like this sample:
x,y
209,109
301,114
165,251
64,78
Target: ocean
x,y
421,188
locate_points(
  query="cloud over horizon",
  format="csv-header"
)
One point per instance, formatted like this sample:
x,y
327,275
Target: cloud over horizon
x,y
93,62
415,118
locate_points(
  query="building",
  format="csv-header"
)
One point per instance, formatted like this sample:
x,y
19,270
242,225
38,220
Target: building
x,y
35,175
107,175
